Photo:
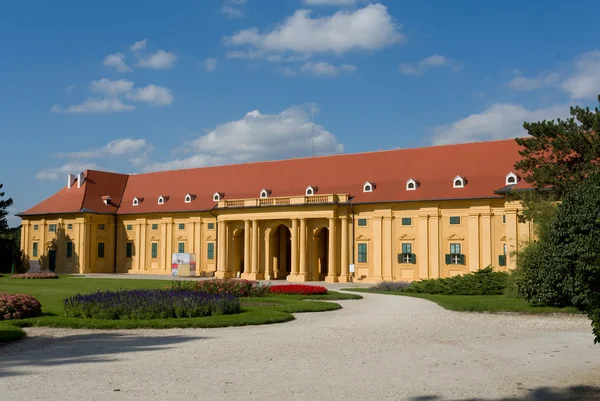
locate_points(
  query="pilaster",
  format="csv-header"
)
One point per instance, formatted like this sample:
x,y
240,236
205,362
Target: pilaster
x,y
332,244
345,273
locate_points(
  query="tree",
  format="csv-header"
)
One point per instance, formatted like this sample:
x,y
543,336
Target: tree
x,y
556,157
4,205
564,268
9,239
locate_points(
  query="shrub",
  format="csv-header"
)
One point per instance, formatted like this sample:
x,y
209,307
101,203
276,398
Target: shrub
x,y
298,289
482,282
34,276
391,286
239,288
18,306
149,304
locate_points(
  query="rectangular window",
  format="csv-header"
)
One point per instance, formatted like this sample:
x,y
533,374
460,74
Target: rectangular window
x,y
154,250
454,219
52,228
504,248
455,257
407,221
129,227
211,226
181,247
407,256
155,226
69,226
129,250
362,222
503,219
210,250
406,248
35,249
69,249
181,226
100,249
35,227
455,249
100,227
362,253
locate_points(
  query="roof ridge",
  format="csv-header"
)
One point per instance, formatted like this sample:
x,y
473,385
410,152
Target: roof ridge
x,y
326,156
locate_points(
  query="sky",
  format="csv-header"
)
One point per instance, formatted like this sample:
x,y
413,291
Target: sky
x,y
135,87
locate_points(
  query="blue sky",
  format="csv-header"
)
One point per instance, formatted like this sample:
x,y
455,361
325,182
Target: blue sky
x,y
130,88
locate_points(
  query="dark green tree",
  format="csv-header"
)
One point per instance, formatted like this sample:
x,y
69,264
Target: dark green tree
x,y
9,239
4,205
556,156
564,268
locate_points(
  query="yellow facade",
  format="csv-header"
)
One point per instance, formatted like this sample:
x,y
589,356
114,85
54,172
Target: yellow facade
x,y
295,238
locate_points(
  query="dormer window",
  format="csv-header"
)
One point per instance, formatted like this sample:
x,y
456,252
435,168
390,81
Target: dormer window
x,y
189,198
459,182
162,199
106,200
512,178
137,201
265,193
311,190
369,186
217,196
412,184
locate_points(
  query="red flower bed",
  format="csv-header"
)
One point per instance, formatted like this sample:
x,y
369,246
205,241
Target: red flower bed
x,y
34,275
298,289
18,306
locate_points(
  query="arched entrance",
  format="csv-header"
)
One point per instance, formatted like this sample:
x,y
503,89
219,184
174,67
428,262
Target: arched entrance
x,y
239,262
282,253
51,251
321,254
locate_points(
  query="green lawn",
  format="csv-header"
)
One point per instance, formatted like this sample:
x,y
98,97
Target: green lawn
x,y
478,303
50,293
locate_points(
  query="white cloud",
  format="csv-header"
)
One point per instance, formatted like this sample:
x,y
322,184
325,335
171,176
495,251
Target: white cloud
x,y
69,89
233,8
156,95
210,64
521,83
433,61
500,121
585,82
117,148
111,88
329,2
257,136
369,28
117,61
160,60
138,46
61,172
324,69
95,105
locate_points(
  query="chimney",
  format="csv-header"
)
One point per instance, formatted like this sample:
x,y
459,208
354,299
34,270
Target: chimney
x,y
106,200
71,180
80,180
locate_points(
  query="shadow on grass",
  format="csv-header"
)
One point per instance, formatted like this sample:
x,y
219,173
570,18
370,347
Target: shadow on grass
x,y
43,351
574,393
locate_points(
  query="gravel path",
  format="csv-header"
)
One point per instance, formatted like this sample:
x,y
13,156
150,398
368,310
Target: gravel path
x,y
380,348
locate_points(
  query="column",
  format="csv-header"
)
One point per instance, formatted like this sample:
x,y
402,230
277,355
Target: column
x,y
294,252
512,234
345,276
303,253
200,247
388,246
423,250
221,262
280,268
331,252
473,256
487,258
268,257
247,232
192,238
436,246
377,264
255,274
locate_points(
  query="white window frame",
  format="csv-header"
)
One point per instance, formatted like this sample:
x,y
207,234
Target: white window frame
x,y
511,176
264,193
161,200
188,198
368,187
455,257
414,183
310,190
462,182
217,196
136,201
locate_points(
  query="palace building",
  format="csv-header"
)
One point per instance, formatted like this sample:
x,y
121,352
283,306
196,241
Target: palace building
x,y
403,214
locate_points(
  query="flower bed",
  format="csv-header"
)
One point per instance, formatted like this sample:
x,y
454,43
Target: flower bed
x,y
149,304
34,276
298,289
18,306
238,288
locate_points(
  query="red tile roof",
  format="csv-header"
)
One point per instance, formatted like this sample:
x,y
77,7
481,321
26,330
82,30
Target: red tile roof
x,y
483,164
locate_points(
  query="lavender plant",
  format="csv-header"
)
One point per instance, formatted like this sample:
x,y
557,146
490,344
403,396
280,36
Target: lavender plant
x,y
391,286
149,304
